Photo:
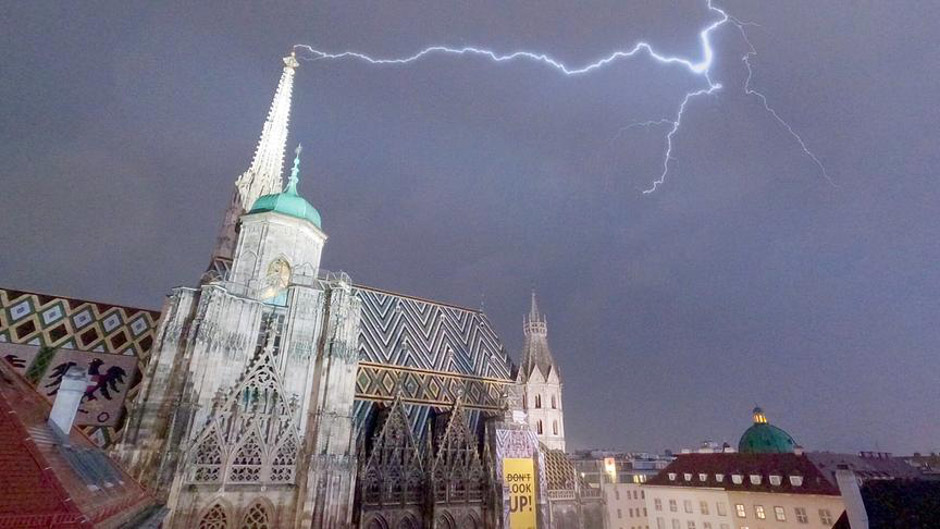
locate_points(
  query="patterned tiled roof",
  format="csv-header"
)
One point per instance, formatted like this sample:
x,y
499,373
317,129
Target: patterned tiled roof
x,y
50,480
746,472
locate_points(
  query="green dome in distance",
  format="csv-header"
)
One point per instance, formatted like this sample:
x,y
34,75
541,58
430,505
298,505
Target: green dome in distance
x,y
765,438
288,202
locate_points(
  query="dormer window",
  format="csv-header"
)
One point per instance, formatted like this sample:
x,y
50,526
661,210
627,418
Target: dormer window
x,y
703,477
719,478
688,477
672,476
796,481
737,479
775,480
755,479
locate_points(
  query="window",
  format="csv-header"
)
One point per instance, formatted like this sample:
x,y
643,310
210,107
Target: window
x,y
691,524
706,525
775,481
555,427
703,477
739,509
538,427
759,512
737,479
644,512
673,506
635,497
214,518
780,514
616,494
703,505
256,518
719,478
660,523
619,513
658,504
672,476
642,495
687,505
675,524
801,515
755,479
722,511
538,402
554,404
825,517
687,476
796,481
631,512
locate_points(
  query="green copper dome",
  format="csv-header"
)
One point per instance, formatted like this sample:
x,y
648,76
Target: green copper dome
x,y
764,438
289,202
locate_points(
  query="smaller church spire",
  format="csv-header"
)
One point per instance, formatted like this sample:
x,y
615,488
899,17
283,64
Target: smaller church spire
x,y
294,172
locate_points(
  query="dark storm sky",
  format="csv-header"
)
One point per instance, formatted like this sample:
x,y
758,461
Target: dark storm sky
x,y
747,279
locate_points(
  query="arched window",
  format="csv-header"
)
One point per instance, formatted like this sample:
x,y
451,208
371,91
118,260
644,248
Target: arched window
x,y
538,427
256,518
538,401
555,427
214,518
554,404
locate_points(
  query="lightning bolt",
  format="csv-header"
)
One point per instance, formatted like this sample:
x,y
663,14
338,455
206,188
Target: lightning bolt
x,y
700,68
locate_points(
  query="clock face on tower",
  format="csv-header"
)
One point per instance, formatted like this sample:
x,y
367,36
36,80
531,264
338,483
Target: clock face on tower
x,y
277,278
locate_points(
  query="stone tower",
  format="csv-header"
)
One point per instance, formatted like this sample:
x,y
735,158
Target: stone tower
x,y
245,417
541,381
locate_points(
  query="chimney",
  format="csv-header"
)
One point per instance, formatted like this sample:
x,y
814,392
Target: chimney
x,y
68,397
852,497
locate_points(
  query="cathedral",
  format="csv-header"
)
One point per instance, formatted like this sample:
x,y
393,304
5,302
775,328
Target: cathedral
x,y
277,394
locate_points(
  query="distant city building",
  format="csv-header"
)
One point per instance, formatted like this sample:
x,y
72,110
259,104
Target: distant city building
x,y
742,491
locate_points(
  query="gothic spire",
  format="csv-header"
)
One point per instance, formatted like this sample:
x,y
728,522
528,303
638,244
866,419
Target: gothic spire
x,y
264,175
535,352
262,178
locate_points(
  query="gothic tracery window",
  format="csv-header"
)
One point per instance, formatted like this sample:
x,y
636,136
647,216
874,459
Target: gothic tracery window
x,y
256,518
208,460
214,518
246,465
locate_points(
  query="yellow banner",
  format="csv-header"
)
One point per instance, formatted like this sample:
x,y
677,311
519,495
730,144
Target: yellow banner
x,y
519,480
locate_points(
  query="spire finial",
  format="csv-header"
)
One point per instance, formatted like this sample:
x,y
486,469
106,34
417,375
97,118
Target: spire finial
x,y
534,310
294,172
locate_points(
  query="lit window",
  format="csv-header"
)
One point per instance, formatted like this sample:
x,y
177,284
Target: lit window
x,y
739,509
660,523
737,479
691,524
703,477
672,476
719,478
687,505
658,504
825,517
687,476
775,480
755,479
796,481
706,525
703,505
801,514
722,511
780,514
759,512
673,506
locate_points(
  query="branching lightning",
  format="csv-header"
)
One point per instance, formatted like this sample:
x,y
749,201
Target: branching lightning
x,y
700,68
